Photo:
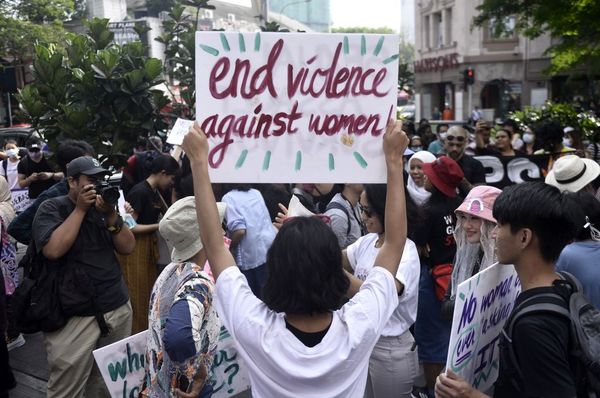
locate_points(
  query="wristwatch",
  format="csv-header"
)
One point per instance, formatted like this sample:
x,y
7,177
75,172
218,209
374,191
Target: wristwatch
x,y
116,227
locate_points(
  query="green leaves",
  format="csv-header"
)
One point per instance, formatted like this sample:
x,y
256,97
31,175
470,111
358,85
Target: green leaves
x,y
572,23
97,91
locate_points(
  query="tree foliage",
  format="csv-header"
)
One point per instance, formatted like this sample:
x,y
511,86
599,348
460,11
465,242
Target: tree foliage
x,y
573,23
97,91
23,23
180,60
563,114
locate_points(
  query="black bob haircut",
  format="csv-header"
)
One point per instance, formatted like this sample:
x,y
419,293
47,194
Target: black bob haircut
x,y
304,269
165,163
541,208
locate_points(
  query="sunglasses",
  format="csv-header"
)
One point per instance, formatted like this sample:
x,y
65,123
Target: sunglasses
x,y
34,149
322,217
365,210
458,138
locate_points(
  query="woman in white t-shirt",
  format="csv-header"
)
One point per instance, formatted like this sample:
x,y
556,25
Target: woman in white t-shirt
x,y
299,342
10,165
394,363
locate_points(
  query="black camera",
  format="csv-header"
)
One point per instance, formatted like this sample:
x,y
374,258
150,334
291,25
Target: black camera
x,y
109,194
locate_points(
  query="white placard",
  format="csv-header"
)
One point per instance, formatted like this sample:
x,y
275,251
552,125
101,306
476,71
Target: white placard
x,y
296,107
127,218
229,374
121,365
179,130
483,303
20,199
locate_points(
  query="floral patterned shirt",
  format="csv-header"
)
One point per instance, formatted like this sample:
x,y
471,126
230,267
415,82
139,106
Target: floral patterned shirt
x,y
183,329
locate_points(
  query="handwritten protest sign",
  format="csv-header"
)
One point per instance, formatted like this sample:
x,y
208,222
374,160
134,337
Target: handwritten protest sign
x,y
179,130
483,303
20,199
229,375
295,106
121,365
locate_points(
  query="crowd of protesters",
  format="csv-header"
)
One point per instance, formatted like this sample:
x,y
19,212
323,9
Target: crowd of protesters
x,y
354,301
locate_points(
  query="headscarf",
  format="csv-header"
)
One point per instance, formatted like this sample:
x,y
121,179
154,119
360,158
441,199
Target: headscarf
x,y
419,194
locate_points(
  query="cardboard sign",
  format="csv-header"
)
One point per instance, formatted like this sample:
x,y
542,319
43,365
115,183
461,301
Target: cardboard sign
x,y
20,199
296,107
483,303
179,130
122,365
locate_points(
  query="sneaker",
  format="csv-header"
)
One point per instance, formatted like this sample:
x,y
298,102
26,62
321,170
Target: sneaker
x,y
17,342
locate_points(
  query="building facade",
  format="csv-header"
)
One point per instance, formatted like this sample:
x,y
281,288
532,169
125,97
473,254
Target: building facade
x,y
508,69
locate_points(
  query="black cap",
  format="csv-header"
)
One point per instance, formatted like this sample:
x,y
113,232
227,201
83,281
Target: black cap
x,y
85,165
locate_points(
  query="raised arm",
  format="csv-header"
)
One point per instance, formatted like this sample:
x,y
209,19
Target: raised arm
x,y
395,142
195,146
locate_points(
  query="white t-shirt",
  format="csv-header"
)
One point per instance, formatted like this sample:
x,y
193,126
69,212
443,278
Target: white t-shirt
x,y
279,365
362,254
12,175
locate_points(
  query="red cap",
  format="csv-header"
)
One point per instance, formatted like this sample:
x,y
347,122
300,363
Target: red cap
x,y
445,174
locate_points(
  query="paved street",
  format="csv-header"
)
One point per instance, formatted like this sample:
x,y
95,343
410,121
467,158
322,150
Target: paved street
x,y
30,368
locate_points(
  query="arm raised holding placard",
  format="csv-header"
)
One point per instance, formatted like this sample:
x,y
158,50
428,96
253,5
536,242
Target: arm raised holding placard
x,y
195,145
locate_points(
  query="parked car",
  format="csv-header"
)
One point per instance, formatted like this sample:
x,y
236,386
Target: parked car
x,y
19,134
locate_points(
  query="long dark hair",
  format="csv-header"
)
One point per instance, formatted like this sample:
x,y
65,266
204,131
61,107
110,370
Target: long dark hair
x,y
376,195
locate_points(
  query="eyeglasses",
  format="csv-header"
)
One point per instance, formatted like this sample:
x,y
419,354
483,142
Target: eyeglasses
x,y
458,138
365,210
326,219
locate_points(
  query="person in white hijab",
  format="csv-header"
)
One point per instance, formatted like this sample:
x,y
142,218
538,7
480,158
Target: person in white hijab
x,y
416,179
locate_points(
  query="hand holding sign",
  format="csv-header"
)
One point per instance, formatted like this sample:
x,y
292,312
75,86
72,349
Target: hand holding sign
x,y
395,142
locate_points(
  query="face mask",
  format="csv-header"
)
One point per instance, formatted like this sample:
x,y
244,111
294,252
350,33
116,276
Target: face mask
x,y
12,153
567,142
528,138
416,148
443,135
35,155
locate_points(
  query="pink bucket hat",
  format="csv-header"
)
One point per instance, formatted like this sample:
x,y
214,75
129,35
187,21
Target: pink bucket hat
x,y
480,202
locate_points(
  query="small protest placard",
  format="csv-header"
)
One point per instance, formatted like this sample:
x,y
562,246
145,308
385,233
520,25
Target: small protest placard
x,y
121,365
483,303
20,199
296,107
179,130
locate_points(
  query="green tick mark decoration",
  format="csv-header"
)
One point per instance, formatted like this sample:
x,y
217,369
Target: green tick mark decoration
x,y
266,161
241,159
360,160
298,165
242,42
212,51
224,42
331,162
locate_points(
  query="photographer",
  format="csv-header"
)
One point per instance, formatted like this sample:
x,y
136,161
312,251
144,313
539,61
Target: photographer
x,y
140,267
83,232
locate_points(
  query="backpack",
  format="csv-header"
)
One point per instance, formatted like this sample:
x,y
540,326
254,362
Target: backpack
x,y
584,334
339,206
35,304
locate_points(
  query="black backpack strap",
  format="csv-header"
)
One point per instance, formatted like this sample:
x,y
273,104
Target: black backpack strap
x,y
339,206
537,304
